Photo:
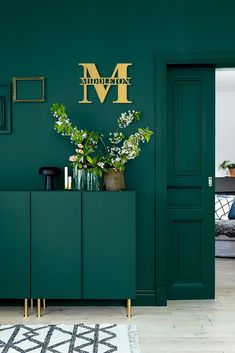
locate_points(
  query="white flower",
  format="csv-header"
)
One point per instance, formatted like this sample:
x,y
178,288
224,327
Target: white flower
x,y
73,158
100,164
116,137
126,118
80,145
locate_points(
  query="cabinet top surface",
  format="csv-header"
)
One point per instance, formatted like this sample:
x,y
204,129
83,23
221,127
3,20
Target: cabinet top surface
x,y
68,191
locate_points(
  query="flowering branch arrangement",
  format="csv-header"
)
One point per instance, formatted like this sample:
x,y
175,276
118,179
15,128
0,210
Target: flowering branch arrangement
x,y
86,142
120,150
119,154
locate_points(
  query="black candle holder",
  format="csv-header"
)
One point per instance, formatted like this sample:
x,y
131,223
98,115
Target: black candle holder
x,y
50,173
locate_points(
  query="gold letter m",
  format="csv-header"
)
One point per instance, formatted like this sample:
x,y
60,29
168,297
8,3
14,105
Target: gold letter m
x,y
102,84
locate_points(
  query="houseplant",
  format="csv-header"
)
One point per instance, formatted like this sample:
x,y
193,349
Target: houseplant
x,y
89,164
86,166
229,166
123,149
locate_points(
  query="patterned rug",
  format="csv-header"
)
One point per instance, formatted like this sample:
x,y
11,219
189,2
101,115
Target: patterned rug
x,y
105,338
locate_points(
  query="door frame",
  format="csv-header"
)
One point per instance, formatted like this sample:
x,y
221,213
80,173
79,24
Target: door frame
x,y
162,60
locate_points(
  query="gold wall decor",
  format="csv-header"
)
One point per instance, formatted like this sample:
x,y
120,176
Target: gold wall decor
x,y
19,97
102,85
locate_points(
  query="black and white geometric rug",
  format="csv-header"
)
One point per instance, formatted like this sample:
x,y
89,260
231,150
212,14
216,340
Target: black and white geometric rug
x,y
105,338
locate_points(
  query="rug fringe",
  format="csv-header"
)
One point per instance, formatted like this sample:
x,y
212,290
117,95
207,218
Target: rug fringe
x,y
133,339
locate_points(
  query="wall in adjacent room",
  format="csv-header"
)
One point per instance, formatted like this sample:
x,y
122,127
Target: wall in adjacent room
x,y
50,38
225,118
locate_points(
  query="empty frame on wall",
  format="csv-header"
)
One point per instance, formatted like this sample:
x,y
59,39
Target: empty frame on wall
x,y
29,89
5,109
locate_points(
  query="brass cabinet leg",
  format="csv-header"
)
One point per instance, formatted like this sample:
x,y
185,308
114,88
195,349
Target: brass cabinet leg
x,y
26,308
31,303
44,303
129,308
39,307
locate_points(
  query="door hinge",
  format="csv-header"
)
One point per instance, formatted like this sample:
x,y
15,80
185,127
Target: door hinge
x,y
210,181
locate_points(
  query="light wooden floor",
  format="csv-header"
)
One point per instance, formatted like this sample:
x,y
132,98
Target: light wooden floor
x,y
183,326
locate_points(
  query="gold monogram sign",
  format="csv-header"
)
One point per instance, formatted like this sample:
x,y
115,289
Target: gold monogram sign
x,y
102,85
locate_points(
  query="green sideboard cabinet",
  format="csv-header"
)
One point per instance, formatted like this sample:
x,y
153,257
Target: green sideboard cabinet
x,y
67,245
15,244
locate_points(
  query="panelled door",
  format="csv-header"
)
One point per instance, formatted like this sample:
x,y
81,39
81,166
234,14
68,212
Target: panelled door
x,y
190,178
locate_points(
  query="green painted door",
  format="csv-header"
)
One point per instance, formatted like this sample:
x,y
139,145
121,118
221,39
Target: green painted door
x,y
108,245
15,244
56,244
190,198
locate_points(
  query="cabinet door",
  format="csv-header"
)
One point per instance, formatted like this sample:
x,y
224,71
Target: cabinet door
x,y
14,244
56,244
108,245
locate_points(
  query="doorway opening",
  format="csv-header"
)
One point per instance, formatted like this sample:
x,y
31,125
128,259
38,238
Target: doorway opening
x,y
185,192
225,181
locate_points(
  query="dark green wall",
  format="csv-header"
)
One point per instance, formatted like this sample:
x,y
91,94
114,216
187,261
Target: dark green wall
x,y
51,37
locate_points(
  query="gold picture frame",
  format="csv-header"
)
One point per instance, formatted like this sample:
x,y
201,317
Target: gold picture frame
x,y
16,80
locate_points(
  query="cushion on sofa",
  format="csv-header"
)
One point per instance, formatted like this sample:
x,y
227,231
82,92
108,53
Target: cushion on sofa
x,y
231,214
223,204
